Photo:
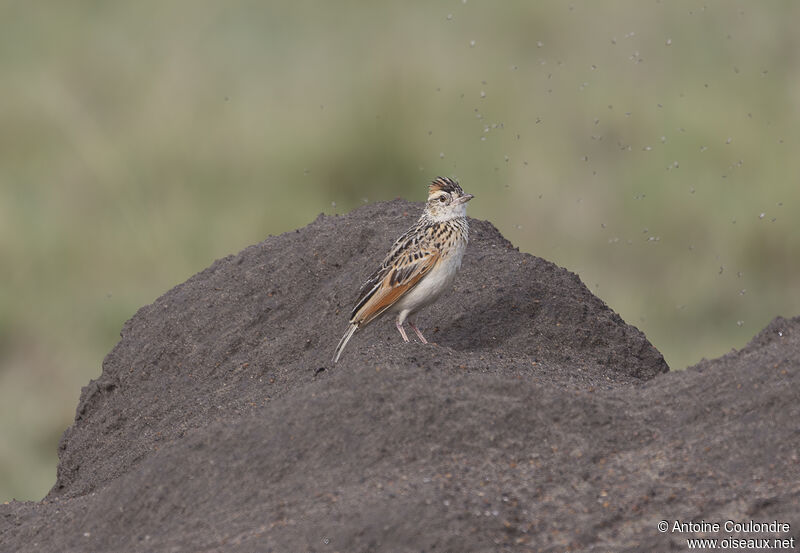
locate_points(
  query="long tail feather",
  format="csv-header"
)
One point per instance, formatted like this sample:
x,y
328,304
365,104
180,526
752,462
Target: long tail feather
x,y
343,342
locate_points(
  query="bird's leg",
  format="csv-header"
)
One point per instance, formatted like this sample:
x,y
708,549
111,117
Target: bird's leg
x,y
402,330
419,333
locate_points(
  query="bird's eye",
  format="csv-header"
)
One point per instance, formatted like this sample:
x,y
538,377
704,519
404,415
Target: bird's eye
x,y
442,199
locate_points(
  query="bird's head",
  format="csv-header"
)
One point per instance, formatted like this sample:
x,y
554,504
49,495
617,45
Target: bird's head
x,y
446,200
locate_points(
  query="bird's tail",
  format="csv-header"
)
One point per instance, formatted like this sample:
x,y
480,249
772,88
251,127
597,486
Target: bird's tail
x,y
343,342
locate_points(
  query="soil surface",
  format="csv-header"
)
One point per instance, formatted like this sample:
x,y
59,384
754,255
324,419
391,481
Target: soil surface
x,y
537,420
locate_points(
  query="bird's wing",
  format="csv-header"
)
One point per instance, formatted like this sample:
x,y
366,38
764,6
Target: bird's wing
x,y
402,269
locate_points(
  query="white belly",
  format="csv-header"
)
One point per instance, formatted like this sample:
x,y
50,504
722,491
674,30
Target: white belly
x,y
431,286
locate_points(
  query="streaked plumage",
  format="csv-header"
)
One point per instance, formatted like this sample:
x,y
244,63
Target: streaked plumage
x,y
420,265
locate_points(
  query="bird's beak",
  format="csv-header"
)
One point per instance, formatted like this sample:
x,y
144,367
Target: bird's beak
x,y
463,199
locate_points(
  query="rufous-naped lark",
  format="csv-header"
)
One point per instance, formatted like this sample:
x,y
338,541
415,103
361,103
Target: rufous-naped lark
x,y
420,265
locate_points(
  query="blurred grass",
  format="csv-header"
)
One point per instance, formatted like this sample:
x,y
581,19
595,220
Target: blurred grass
x,y
635,143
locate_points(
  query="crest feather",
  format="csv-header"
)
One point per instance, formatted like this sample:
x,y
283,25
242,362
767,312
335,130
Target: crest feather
x,y
445,184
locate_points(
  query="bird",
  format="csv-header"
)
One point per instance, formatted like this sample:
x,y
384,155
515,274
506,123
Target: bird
x,y
420,265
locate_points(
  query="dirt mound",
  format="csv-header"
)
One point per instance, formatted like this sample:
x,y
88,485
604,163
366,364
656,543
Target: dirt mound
x,y
538,420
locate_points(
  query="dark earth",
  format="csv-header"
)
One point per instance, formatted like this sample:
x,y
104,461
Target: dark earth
x,y
538,420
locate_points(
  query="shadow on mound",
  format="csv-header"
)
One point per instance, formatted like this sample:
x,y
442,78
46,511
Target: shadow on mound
x,y
538,420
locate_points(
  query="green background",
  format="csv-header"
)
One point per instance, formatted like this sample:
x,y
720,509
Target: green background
x,y
649,146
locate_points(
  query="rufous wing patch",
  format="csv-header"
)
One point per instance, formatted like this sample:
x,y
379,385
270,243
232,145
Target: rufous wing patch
x,y
397,282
